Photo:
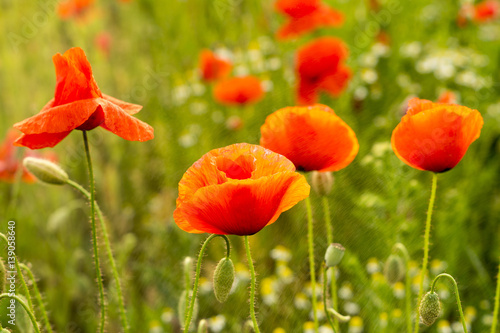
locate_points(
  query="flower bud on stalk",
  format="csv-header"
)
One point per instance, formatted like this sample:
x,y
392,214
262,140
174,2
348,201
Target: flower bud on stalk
x,y
203,326
46,171
430,308
223,279
322,182
334,254
394,269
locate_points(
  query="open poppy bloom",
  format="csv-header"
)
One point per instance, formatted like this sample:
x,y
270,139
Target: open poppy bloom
x,y
305,16
320,67
433,136
10,164
314,138
71,8
79,104
237,190
212,67
239,91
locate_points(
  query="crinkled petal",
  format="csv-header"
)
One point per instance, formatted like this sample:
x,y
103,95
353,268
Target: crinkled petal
x,y
127,107
42,140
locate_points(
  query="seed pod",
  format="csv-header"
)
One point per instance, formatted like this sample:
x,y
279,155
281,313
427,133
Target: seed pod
x,y
394,269
46,171
334,254
429,308
223,279
322,182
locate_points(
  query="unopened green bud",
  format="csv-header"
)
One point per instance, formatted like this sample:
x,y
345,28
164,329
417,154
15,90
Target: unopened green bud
x,y
322,182
429,308
334,254
203,326
394,269
223,279
3,277
46,171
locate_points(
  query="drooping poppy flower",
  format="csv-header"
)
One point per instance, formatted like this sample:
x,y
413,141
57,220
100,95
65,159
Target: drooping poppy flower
x,y
305,16
79,104
239,91
212,67
237,190
320,67
10,161
312,137
434,136
72,8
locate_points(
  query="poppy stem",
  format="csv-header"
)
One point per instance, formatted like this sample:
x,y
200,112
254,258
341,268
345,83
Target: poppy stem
x,y
310,238
423,273
334,322
94,233
455,286
189,313
111,259
329,237
497,304
402,249
252,287
26,308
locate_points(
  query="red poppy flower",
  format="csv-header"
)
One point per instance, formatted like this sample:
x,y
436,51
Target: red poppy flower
x,y
213,68
312,137
433,136
10,163
71,8
486,11
79,104
238,91
320,68
305,16
237,190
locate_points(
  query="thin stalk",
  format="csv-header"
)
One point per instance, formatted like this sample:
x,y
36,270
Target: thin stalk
x,y
310,239
94,233
455,286
252,288
329,237
187,285
426,247
111,259
333,323
402,249
497,304
26,308
189,313
38,297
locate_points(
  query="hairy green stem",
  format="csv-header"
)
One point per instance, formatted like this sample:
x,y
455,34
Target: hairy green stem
x,y
26,308
333,323
427,234
399,247
497,304
252,288
111,259
329,237
189,313
310,239
94,233
455,286
38,297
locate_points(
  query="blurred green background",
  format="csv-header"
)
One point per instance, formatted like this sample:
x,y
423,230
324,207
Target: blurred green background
x,y
376,202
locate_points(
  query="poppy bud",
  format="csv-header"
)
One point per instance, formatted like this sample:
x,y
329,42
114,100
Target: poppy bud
x,y
223,279
203,326
334,254
3,277
46,171
394,269
188,266
182,307
322,182
429,308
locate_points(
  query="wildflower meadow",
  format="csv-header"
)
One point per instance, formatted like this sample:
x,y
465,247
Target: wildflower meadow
x,y
280,166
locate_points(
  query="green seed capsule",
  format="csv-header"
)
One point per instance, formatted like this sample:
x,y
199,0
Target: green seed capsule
x,y
334,254
430,308
223,279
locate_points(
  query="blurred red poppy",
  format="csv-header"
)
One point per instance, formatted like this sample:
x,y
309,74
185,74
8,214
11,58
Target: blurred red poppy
x,y
212,67
320,67
71,8
312,137
447,97
239,91
483,12
10,161
434,136
79,104
305,16
103,42
237,190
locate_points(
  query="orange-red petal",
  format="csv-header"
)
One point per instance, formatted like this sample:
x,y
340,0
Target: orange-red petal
x,y
42,140
239,91
127,107
313,138
435,137
213,68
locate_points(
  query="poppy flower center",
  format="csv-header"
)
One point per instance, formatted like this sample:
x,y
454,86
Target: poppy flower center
x,y
96,119
241,168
